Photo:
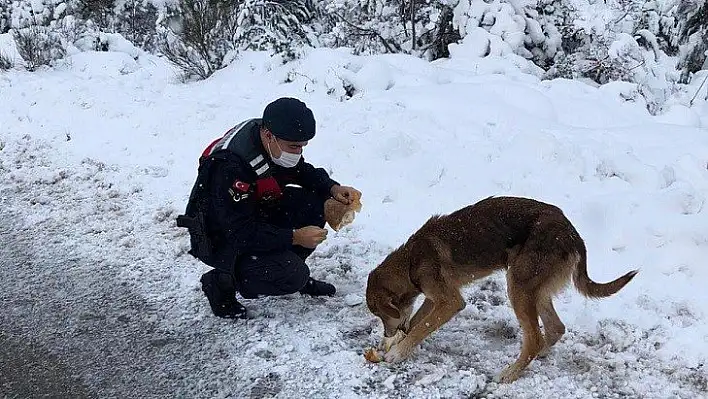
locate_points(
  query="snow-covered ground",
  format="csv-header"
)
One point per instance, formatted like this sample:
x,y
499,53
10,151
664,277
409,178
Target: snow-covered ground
x,y
105,146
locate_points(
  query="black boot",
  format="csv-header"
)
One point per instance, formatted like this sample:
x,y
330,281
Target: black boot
x,y
318,288
219,289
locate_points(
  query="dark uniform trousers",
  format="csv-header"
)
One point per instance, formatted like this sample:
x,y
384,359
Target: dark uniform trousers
x,y
285,272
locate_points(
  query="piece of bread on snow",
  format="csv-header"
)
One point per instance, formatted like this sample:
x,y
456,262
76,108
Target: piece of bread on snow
x,y
339,215
372,355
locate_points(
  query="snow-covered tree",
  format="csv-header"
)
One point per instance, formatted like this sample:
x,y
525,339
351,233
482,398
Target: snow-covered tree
x,y
420,27
660,18
100,12
279,26
202,36
525,28
25,13
136,21
367,26
694,35
4,16
198,35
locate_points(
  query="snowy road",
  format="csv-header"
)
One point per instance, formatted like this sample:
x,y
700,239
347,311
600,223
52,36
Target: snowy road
x,y
61,319
27,368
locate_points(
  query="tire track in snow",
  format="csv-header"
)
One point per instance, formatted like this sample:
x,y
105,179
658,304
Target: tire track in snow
x,y
27,368
82,321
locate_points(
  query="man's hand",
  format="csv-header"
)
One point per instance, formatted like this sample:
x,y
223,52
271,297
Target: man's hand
x,y
344,194
309,236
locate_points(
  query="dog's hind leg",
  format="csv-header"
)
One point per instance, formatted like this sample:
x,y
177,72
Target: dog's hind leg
x,y
553,327
524,304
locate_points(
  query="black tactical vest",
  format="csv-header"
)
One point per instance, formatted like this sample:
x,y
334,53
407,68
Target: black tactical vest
x,y
240,141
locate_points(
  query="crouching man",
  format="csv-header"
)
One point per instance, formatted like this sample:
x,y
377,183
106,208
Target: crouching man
x,y
256,211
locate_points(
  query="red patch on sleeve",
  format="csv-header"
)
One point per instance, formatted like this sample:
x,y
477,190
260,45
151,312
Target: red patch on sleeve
x,y
240,186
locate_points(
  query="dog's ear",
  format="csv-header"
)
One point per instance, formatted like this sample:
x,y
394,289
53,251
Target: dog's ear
x,y
390,310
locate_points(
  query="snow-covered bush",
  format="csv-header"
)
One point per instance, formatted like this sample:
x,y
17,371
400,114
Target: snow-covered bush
x,y
521,28
25,13
654,73
52,24
198,36
134,19
202,36
6,63
38,46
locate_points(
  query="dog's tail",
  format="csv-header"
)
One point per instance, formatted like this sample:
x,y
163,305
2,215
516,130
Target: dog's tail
x,y
592,289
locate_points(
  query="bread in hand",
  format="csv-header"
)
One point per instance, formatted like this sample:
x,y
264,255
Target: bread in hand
x,y
339,215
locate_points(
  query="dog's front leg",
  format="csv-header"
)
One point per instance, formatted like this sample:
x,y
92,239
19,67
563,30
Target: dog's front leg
x,y
406,316
423,311
442,309
401,325
425,308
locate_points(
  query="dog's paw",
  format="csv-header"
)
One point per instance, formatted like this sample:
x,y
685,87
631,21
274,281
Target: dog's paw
x,y
388,342
397,353
509,375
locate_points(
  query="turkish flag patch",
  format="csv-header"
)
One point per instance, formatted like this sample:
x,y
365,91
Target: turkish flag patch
x,y
240,186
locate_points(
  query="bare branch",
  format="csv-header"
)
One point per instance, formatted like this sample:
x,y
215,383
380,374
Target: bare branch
x,y
391,47
697,91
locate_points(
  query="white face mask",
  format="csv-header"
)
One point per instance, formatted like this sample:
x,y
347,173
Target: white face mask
x,y
286,159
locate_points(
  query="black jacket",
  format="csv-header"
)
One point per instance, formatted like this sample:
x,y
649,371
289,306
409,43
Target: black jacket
x,y
235,213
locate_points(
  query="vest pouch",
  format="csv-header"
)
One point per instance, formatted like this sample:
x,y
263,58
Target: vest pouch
x,y
268,189
202,248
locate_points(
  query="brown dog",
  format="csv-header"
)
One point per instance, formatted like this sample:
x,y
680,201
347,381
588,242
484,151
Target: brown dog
x,y
532,240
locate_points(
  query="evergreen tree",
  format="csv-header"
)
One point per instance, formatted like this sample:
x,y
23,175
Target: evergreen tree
x,y
280,26
100,12
136,21
4,16
694,35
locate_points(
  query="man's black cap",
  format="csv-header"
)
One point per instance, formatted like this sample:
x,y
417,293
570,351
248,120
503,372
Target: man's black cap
x,y
289,119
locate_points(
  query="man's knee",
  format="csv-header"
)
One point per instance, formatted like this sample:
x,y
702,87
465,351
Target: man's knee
x,y
277,274
299,277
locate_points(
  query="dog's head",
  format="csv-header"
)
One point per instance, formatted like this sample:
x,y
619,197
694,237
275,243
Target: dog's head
x,y
388,293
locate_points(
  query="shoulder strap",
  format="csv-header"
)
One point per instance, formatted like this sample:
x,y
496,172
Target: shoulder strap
x,y
239,141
